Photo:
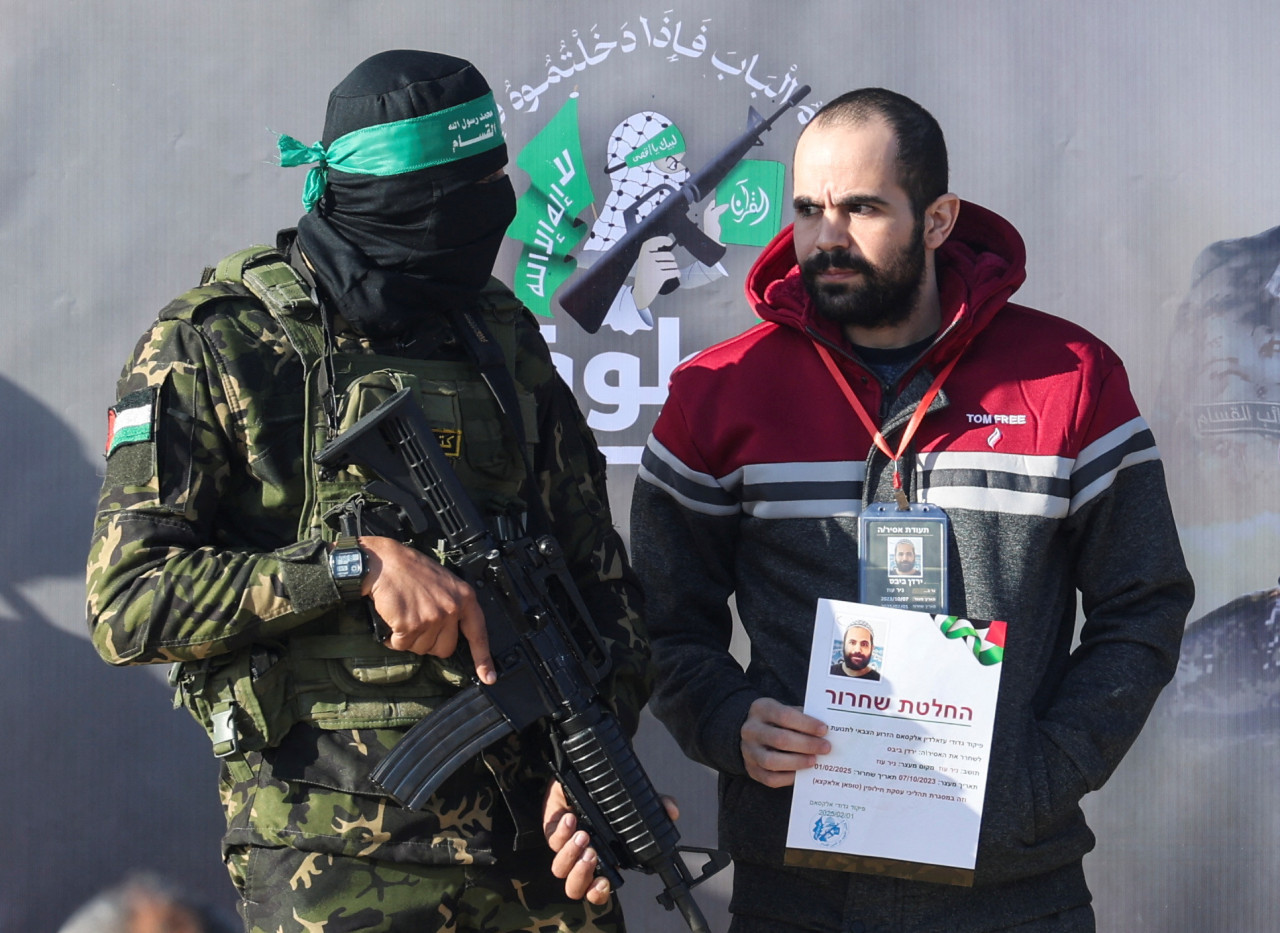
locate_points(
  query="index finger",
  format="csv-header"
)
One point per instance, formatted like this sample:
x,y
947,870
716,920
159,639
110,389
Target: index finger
x,y
773,713
473,629
791,717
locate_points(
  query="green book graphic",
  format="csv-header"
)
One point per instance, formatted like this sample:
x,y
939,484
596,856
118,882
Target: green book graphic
x,y
753,191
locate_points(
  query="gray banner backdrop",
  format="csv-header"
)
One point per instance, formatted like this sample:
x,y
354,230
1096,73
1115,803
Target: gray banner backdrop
x,y
1122,140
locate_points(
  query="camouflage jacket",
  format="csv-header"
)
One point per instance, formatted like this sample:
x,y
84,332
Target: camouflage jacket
x,y
196,557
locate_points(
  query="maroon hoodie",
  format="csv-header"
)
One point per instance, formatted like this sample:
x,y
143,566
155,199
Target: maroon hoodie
x,y
751,487
979,267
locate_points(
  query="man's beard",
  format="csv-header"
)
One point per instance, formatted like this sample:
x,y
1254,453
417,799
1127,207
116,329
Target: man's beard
x,y
856,663
885,297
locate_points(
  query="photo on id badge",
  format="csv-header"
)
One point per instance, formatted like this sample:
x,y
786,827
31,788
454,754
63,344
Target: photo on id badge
x,y
903,557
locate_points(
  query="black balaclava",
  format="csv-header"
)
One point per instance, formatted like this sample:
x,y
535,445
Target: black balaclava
x,y
387,250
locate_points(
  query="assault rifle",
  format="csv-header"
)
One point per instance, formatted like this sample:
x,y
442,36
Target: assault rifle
x,y
534,616
587,298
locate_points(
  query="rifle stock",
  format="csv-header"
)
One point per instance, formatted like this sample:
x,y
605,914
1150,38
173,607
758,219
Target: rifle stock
x,y
534,616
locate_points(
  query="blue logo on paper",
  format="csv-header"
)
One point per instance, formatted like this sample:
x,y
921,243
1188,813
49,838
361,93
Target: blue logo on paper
x,y
829,831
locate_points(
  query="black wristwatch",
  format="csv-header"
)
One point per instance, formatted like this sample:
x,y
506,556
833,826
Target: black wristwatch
x,y
348,563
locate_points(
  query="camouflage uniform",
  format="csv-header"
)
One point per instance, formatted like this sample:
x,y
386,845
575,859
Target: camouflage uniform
x,y
206,551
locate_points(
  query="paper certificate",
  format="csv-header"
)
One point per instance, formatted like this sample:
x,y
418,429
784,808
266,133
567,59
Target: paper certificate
x,y
909,699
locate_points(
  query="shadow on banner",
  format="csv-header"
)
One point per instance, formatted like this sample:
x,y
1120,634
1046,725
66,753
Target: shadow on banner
x,y
101,776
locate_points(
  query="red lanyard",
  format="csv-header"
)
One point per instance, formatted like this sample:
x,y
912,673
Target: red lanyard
x,y
907,433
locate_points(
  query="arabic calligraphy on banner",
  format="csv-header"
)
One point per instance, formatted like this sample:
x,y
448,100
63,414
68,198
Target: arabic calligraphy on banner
x,y
573,57
546,215
615,391
1229,417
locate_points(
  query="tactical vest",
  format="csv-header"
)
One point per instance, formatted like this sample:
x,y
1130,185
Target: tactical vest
x,y
332,671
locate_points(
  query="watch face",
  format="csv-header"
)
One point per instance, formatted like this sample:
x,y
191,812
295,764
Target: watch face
x,y
348,564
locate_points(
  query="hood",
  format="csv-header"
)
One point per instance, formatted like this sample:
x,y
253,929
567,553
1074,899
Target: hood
x,y
982,263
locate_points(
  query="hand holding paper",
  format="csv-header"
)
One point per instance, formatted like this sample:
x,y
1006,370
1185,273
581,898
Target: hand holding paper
x,y
778,741
901,790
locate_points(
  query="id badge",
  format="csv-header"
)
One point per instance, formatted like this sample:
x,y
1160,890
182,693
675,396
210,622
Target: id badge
x,y
902,556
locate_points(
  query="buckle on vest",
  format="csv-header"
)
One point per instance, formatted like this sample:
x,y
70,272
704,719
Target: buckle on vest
x,y
222,721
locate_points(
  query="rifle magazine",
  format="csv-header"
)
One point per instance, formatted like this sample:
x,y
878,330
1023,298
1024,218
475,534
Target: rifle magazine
x,y
440,744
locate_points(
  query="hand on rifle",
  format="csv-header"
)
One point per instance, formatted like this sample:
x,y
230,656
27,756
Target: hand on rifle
x,y
711,221
425,605
575,859
655,267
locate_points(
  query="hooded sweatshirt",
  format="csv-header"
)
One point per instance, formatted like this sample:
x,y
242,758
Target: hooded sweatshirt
x,y
757,470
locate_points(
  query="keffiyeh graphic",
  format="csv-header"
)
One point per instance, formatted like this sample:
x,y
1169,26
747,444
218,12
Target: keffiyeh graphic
x,y
636,169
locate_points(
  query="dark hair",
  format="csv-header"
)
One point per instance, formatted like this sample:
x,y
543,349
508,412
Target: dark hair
x,y
922,150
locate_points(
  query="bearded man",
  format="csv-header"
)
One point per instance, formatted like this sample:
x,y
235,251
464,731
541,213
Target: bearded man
x,y
904,559
857,646
888,350
220,546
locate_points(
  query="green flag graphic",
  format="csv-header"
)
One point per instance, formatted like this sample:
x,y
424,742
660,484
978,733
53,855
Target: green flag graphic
x,y
546,215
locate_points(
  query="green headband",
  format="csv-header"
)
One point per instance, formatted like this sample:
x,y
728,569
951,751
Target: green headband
x,y
395,148
668,142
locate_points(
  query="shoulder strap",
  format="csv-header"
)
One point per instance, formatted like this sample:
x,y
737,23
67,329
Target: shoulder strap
x,y
486,352
264,273
186,304
488,355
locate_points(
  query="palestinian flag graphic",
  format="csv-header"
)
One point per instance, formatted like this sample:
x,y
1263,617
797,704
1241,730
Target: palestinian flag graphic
x,y
987,643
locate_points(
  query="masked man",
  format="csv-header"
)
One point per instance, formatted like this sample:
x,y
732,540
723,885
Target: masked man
x,y
221,546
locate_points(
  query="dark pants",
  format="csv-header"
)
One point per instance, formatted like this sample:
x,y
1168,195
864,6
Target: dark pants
x,y
1076,920
769,899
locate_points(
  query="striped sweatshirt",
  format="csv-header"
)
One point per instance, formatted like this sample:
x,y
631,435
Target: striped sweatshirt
x,y
758,468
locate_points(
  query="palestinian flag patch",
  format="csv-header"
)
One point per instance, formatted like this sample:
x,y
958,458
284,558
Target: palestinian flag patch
x,y
132,420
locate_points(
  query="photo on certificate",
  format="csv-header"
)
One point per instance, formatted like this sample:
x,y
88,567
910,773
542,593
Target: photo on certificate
x,y
901,793
855,652
903,557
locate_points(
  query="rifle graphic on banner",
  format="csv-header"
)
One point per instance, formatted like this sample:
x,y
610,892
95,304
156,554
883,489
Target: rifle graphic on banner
x,y
588,297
